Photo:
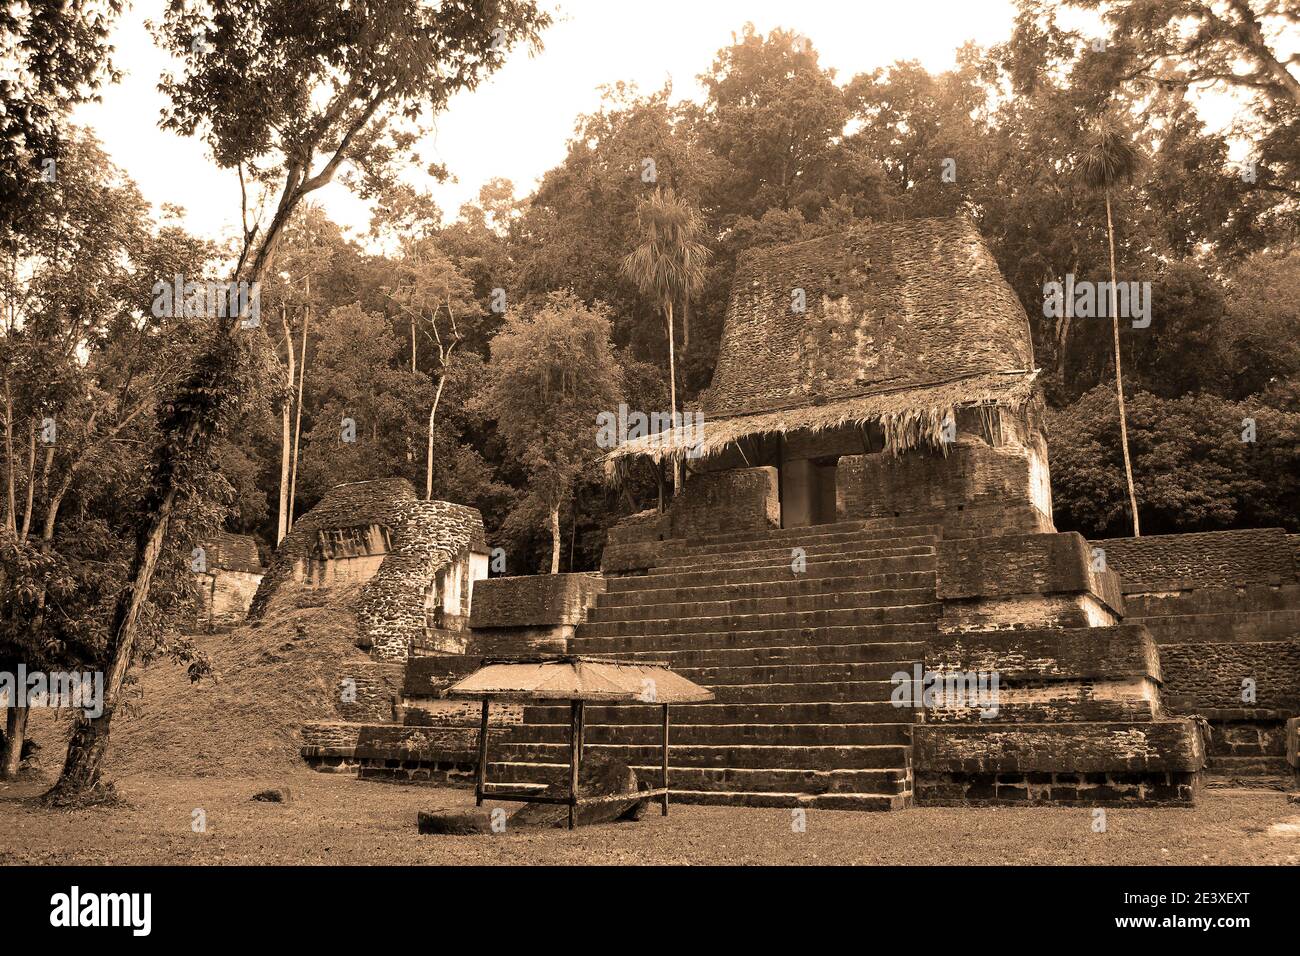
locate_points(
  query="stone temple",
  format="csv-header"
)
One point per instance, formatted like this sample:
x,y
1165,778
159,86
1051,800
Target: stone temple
x,y
863,567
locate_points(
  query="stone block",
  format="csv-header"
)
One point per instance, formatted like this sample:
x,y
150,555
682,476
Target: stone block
x,y
534,600
1161,745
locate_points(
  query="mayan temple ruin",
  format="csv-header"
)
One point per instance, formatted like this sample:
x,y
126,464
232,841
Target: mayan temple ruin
x,y
862,566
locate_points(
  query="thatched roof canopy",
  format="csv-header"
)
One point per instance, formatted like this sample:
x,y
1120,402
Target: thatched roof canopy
x,y
901,323
909,417
571,677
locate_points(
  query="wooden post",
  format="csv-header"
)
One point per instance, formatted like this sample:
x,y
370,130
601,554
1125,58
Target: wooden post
x,y
664,781
480,776
575,756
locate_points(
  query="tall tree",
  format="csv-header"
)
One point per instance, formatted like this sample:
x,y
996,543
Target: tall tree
x,y
1111,158
285,96
667,267
552,373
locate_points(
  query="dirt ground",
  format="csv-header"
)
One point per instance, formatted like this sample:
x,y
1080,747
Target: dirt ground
x,y
340,820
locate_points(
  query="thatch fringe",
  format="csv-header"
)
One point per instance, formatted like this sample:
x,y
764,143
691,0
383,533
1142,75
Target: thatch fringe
x,y
912,417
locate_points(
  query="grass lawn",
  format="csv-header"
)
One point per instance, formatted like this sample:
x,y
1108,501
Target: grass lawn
x,y
340,820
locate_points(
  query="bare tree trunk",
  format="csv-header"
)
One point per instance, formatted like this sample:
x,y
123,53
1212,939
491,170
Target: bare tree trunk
x,y
31,483
672,392
297,427
428,463
686,323
11,502
1119,375
412,343
15,734
286,430
555,539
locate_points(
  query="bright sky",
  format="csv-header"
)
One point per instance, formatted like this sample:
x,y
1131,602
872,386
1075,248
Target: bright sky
x,y
516,125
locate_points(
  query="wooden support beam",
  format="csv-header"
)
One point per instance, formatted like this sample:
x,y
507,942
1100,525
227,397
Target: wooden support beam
x,y
663,781
480,774
576,714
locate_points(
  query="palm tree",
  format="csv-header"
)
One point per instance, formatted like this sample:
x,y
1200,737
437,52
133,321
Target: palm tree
x,y
1110,157
667,266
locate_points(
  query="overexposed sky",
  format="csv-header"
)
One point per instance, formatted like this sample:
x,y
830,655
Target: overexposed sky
x,y
517,123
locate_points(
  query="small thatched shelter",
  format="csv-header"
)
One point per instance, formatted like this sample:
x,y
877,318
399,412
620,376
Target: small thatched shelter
x,y
578,680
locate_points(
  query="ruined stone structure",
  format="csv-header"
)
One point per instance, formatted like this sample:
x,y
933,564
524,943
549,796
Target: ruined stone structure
x,y
417,563
231,572
416,560
864,543
869,505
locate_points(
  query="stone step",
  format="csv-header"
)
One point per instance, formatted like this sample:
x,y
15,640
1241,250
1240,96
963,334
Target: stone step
x,y
650,716
784,557
907,581
735,592
871,635
796,690
717,735
812,801
865,569
1232,626
786,620
758,781
811,757
793,665
826,600
865,562
812,544
915,525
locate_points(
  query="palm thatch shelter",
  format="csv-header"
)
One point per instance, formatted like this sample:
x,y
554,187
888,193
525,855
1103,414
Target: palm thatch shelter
x,y
578,680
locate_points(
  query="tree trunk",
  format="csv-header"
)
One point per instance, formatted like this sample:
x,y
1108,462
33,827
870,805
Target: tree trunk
x,y
297,426
15,734
11,502
31,484
1119,374
428,462
686,323
286,432
672,393
89,741
555,539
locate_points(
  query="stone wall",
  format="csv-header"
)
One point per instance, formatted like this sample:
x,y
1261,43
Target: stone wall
x,y
230,572
530,614
396,752
999,484
367,691
1077,716
1215,559
723,502
224,597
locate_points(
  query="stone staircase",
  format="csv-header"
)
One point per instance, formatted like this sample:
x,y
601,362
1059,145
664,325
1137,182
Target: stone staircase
x,y
800,662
